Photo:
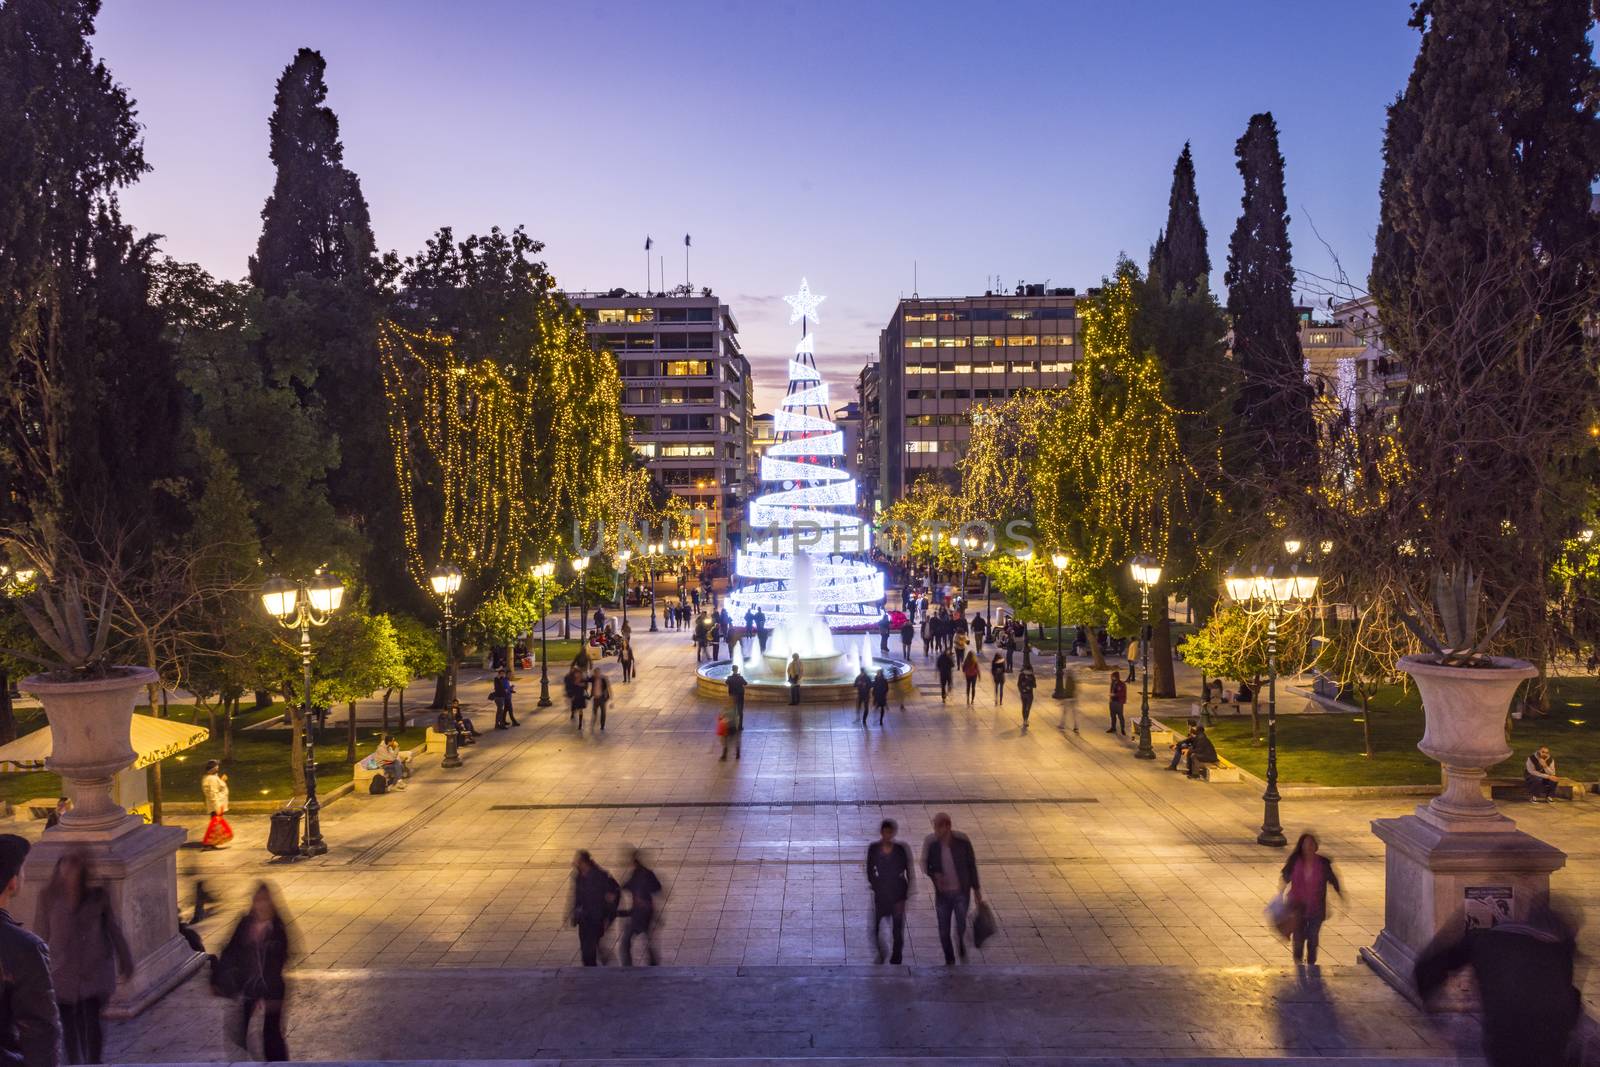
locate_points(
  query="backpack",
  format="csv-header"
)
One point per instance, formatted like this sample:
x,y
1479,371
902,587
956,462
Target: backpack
x,y
379,785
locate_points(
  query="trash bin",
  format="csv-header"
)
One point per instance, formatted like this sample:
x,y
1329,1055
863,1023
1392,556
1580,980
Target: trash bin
x,y
283,839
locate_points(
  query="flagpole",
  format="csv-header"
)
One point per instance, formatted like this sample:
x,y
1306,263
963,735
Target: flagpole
x,y
686,261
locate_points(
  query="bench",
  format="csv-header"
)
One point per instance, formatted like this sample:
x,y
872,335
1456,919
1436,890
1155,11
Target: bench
x,y
1516,789
1220,771
436,740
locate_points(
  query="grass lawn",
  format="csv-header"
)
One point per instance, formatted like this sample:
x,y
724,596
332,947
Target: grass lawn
x,y
1327,749
257,770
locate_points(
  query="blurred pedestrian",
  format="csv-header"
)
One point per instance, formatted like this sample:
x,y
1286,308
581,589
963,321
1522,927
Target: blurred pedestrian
x,y
1118,700
498,693
889,876
577,687
31,1032
1524,972
600,694
946,666
625,657
794,673
997,671
880,694
1306,877
643,887
907,633
1027,682
1069,710
733,728
950,861
87,953
594,907
863,684
214,785
970,671
251,969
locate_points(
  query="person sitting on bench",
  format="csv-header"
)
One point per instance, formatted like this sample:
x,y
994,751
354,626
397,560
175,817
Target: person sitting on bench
x,y
1181,747
1539,775
1202,753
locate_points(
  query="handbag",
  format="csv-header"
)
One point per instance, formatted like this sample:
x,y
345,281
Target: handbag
x,y
218,832
1280,916
722,726
984,924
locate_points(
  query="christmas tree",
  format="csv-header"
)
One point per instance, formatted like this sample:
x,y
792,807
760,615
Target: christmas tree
x,y
803,558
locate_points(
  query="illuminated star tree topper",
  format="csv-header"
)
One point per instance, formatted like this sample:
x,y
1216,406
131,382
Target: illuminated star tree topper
x,y
803,304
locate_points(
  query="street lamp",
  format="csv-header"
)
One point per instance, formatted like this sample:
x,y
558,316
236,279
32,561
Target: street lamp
x,y
300,606
1271,593
580,566
446,582
1060,561
1146,572
650,576
1027,564
542,574
622,571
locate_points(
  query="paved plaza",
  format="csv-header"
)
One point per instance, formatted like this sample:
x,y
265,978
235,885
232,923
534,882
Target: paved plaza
x,y
1133,893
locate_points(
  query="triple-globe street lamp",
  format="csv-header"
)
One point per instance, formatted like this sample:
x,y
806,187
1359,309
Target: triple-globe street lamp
x,y
1273,593
580,569
650,558
1027,563
300,606
1146,573
622,574
543,575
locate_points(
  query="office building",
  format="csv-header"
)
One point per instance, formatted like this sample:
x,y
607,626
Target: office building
x,y
869,471
686,389
940,356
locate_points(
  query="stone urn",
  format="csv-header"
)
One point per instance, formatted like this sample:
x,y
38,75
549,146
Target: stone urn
x,y
1464,709
90,724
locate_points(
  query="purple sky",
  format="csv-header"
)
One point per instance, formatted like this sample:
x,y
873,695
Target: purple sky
x,y
841,141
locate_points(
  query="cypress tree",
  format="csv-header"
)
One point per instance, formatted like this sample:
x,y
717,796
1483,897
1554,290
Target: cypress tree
x,y
1180,256
1273,412
316,220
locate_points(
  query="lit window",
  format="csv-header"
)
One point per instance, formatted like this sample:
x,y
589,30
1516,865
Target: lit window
x,y
952,342
609,315
922,446
1056,339
920,368
1024,341
688,368
922,342
641,314
645,449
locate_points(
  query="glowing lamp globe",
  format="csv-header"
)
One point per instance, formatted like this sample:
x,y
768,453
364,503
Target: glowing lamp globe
x,y
280,597
1292,545
446,580
1241,586
1060,561
326,593
1146,570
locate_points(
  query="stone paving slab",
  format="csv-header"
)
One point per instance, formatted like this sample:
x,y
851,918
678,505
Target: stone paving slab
x,y
672,1014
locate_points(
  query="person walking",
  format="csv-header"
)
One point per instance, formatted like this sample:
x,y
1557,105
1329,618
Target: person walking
x,y
87,953
863,684
889,877
508,692
997,671
1306,878
251,969
643,887
908,632
577,686
733,721
214,785
1027,682
625,657
594,907
880,694
600,694
1133,657
31,1034
951,863
884,626
497,694
923,628
1069,711
946,666
970,670
794,673
702,639
1119,698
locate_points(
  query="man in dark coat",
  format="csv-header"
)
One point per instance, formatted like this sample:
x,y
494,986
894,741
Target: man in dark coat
x,y
863,684
946,666
30,1029
643,887
889,875
950,862
735,718
594,906
883,633
880,694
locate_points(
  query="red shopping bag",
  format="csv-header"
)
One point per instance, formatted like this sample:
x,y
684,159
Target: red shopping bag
x,y
218,832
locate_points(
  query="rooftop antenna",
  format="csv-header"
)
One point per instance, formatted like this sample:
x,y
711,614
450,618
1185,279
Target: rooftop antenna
x,y
914,280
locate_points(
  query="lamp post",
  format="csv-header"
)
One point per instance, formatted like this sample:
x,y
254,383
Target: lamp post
x,y
446,582
300,606
622,570
1147,572
1060,561
1027,565
1271,593
650,576
580,568
988,588
542,573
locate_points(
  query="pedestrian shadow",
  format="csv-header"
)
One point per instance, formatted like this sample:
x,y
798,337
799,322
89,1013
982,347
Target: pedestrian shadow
x,y
1306,1020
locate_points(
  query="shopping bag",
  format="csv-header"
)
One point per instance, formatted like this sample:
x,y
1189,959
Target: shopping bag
x,y
218,832
1280,916
984,925
722,726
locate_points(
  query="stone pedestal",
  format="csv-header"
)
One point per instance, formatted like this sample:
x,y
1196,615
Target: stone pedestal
x,y
90,725
138,866
1442,873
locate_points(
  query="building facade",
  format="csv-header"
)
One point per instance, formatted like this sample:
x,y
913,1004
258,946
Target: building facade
x,y
938,357
686,390
871,447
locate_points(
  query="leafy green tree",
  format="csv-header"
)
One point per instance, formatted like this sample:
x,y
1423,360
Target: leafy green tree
x,y
423,653
1233,644
359,656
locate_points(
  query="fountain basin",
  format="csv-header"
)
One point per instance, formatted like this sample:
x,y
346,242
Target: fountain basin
x,y
824,668
834,688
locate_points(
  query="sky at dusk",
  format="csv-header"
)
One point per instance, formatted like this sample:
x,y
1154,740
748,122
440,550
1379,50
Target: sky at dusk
x,y
847,142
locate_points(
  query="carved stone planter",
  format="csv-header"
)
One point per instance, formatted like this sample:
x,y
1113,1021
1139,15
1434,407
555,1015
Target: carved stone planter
x,y
1465,713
